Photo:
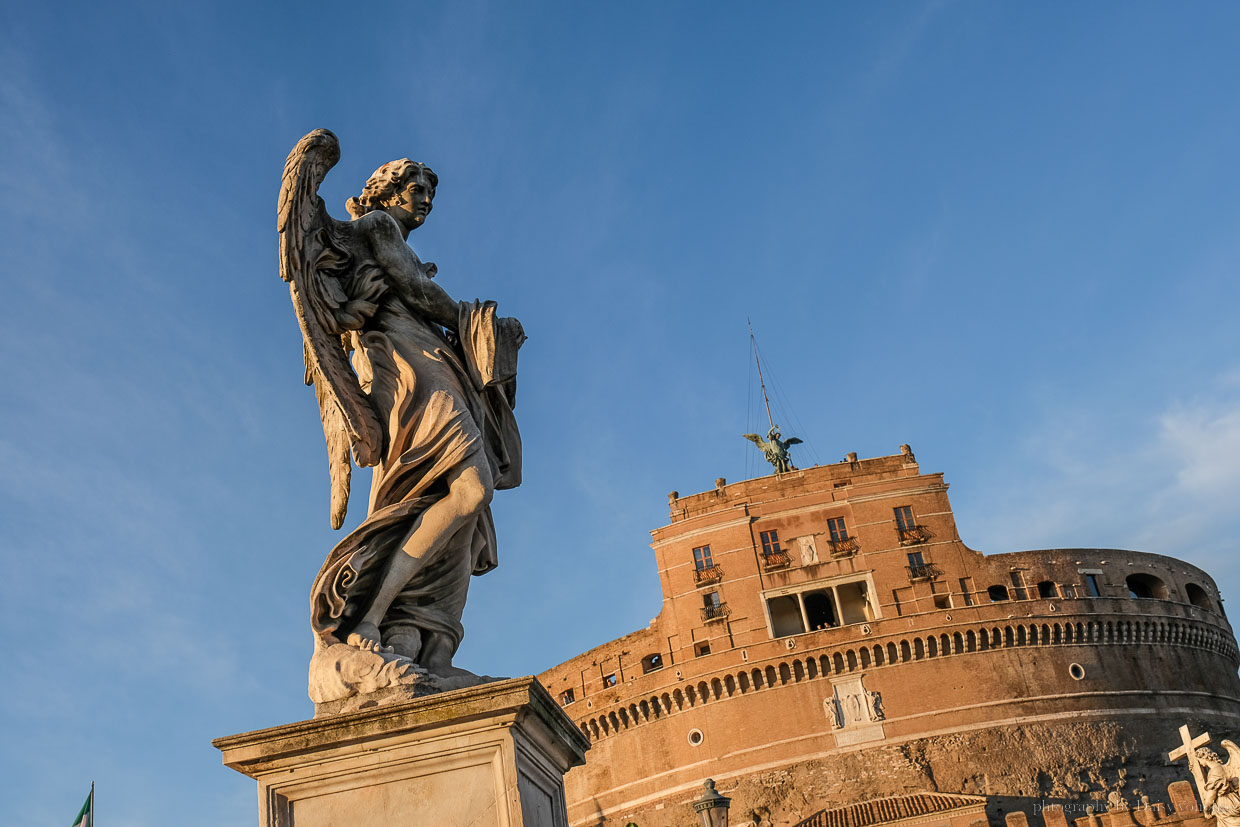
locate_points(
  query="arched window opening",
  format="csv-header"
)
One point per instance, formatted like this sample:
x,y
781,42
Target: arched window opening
x,y
1046,589
997,593
1146,587
1198,597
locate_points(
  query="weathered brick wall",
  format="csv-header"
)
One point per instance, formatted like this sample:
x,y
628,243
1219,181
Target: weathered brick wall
x,y
1030,770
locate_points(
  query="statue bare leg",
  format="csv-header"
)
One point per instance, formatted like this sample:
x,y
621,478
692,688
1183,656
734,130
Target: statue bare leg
x,y
470,487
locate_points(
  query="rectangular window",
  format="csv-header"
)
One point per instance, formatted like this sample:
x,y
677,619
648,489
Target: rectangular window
x,y
819,609
838,530
854,599
786,618
1018,585
702,559
942,601
904,517
1069,591
567,697
710,600
915,560
770,542
609,680
701,648
1091,585
966,591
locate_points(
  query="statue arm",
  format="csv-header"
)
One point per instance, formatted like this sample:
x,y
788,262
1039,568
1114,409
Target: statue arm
x,y
407,274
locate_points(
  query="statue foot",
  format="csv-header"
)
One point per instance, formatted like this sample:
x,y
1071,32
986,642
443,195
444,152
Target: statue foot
x,y
365,636
450,671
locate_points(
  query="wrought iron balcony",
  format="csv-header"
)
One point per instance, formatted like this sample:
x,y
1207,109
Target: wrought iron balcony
x,y
776,560
844,547
710,574
926,571
913,534
712,613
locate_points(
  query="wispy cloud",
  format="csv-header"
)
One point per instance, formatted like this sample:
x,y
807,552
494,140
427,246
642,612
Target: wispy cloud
x,y
1168,483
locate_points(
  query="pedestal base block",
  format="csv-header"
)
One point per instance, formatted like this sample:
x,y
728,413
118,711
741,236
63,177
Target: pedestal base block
x,y
488,756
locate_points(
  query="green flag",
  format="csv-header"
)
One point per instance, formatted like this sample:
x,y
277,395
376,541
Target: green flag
x,y
86,818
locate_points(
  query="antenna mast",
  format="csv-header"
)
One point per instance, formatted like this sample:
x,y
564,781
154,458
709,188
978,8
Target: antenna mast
x,y
753,341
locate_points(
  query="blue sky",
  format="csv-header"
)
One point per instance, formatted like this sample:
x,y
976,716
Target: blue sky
x,y
1006,234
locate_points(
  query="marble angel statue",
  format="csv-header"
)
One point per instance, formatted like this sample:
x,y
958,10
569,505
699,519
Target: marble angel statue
x,y
1220,794
419,386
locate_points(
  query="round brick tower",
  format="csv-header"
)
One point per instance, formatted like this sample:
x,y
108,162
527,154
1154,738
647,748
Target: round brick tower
x,y
826,636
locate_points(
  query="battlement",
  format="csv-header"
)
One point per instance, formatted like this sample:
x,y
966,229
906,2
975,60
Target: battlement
x,y
848,474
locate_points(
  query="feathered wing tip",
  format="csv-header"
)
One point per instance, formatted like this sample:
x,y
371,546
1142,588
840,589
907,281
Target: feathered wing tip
x,y
338,446
304,170
1233,758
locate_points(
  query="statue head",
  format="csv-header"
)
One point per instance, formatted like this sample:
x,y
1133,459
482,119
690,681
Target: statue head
x,y
403,188
1207,755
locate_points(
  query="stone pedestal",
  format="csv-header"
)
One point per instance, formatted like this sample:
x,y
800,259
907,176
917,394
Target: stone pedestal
x,y
488,756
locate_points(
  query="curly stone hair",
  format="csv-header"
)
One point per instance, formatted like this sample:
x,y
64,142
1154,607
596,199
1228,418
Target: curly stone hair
x,y
1208,755
386,181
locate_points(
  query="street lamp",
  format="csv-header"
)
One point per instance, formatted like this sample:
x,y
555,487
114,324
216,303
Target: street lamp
x,y
712,807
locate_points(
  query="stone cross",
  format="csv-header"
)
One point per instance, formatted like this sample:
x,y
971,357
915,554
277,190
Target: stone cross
x,y
1187,749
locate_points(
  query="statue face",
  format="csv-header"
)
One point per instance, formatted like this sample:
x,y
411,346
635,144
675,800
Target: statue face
x,y
413,202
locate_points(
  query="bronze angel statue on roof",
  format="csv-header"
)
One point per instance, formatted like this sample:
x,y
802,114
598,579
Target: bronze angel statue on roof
x,y
419,386
775,449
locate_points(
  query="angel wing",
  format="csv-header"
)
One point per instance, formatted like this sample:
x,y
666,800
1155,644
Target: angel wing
x,y
316,263
1232,769
756,440
791,441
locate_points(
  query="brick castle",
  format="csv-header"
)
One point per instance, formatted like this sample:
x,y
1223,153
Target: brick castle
x,y
826,637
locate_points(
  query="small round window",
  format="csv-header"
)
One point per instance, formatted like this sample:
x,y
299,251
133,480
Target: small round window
x,y
696,737
1076,671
